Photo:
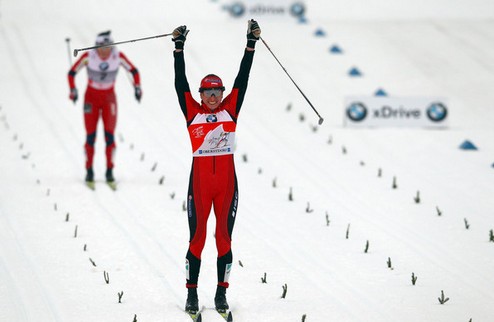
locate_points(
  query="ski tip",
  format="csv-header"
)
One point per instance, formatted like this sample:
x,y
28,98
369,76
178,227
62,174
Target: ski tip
x,y
112,185
230,317
90,185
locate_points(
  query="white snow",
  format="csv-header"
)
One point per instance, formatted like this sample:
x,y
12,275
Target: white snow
x,y
139,234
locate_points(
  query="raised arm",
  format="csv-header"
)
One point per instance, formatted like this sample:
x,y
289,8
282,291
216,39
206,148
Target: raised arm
x,y
253,34
181,84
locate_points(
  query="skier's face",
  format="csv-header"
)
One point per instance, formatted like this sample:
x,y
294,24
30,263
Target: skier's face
x,y
212,98
104,52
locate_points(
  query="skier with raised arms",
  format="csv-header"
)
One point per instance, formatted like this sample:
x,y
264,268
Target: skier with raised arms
x,y
213,184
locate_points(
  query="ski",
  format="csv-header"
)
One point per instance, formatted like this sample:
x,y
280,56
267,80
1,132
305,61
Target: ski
x,y
112,185
227,315
90,185
196,317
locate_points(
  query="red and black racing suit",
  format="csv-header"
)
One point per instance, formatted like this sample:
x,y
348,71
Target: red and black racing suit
x,y
213,181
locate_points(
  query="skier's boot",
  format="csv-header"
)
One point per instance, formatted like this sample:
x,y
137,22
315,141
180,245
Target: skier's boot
x,y
90,175
192,303
109,175
220,299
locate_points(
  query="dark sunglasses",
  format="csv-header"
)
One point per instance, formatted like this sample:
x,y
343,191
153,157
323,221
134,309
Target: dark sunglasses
x,y
212,91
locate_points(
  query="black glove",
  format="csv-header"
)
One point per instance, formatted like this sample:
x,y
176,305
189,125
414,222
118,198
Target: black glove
x,y
138,92
73,94
179,35
253,33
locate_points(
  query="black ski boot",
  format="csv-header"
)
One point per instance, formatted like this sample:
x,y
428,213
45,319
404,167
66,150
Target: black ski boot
x,y
192,303
90,175
220,299
109,175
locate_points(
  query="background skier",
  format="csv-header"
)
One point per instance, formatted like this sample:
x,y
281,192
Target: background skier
x,y
100,100
211,125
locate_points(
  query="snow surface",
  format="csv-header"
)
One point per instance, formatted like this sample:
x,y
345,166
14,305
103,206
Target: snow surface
x,y
52,226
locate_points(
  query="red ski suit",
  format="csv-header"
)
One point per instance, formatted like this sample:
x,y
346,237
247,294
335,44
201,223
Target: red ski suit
x,y
100,99
213,181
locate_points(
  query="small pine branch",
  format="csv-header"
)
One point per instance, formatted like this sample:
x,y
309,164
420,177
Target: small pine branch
x,y
240,263
289,107
314,128
142,156
439,212
47,192
285,289
172,195
259,171
55,206
244,158
442,299
92,262
330,140
75,231
290,195
308,209
417,197
414,279
395,185
348,231
120,295
135,318
85,247
154,166
379,173
343,149
467,225
162,179
301,117
184,206
366,247
390,266
362,163
274,183
303,317
327,219
263,279
107,277
491,236
67,217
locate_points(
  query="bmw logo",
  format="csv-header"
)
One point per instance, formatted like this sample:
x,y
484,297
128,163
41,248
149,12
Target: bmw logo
x,y
437,112
297,9
237,9
211,118
356,111
104,65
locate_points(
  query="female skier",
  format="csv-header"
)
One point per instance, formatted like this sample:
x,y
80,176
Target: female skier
x,y
100,100
211,125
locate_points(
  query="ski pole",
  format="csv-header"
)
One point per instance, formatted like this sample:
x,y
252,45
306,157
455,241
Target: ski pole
x,y
76,51
320,118
67,40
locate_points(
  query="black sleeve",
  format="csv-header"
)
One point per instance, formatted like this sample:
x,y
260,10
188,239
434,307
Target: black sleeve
x,y
243,77
181,84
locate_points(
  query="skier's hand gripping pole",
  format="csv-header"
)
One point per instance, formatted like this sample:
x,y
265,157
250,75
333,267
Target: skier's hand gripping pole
x,y
76,51
320,118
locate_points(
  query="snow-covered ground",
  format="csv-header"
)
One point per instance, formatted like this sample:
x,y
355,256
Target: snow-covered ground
x,y
52,228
